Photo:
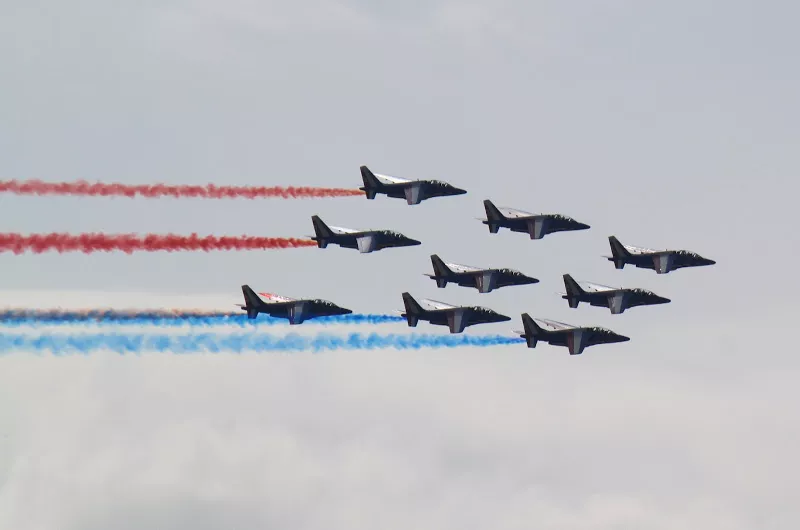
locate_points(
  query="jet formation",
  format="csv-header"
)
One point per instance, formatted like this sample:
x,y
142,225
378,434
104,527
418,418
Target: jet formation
x,y
457,318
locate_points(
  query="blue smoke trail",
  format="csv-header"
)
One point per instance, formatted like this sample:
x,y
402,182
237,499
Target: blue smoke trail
x,y
61,344
17,318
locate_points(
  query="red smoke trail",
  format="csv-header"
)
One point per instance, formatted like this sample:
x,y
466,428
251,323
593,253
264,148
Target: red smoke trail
x,y
209,191
128,243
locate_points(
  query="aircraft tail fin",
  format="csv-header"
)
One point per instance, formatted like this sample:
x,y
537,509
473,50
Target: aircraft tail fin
x,y
251,301
532,330
493,216
440,270
413,309
323,233
574,291
619,252
371,182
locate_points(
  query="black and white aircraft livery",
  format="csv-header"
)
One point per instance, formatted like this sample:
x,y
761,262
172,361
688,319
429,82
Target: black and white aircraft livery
x,y
662,261
576,338
414,191
483,279
457,318
297,311
364,240
617,299
537,225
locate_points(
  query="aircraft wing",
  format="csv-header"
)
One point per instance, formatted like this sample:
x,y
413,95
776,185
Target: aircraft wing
x,y
272,298
455,267
553,325
640,250
435,305
590,287
388,179
514,213
342,231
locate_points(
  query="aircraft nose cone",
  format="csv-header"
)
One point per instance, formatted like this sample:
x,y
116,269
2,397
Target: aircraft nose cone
x,y
414,242
710,262
623,338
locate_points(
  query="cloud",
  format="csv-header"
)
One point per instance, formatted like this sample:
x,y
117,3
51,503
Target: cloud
x,y
390,440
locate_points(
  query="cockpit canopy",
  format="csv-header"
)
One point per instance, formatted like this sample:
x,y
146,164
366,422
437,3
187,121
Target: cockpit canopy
x,y
326,303
435,182
562,217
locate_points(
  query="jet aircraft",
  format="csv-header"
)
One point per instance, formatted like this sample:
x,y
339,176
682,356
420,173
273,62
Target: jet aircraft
x,y
662,261
457,318
363,240
617,299
297,311
414,191
537,225
576,338
485,280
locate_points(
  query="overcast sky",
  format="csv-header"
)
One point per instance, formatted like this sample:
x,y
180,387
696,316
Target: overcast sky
x,y
669,125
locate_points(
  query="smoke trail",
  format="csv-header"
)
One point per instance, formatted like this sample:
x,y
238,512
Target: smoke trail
x,y
129,243
174,318
64,344
208,191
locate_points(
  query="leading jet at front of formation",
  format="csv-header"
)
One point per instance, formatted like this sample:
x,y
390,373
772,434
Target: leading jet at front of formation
x,y
537,225
297,311
661,261
485,280
457,318
364,240
575,338
617,299
414,191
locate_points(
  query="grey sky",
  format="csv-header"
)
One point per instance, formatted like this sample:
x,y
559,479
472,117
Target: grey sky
x,y
669,125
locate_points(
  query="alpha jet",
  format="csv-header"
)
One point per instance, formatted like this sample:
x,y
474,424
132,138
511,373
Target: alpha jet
x,y
485,280
414,191
297,311
576,338
662,261
537,225
457,318
617,299
364,240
